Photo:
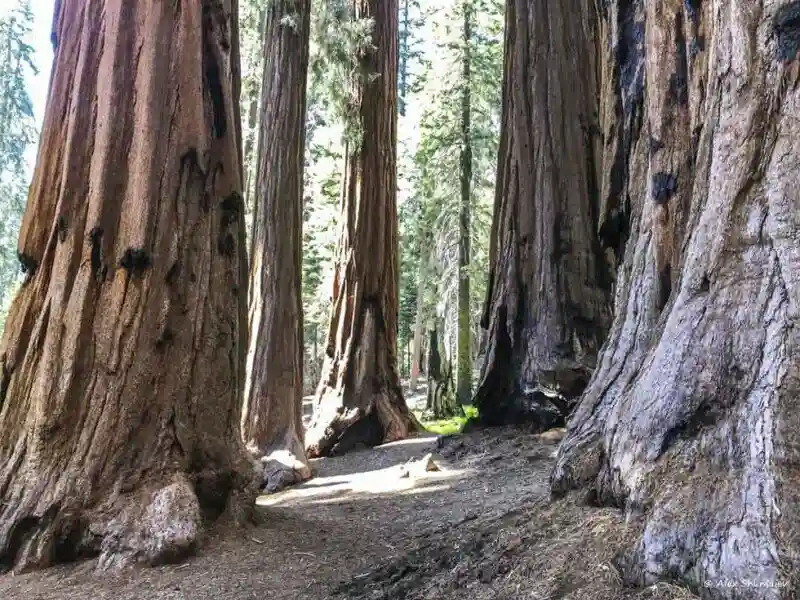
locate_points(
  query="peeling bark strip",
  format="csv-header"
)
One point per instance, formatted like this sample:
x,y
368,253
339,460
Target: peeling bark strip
x,y
120,382
272,419
549,304
360,400
691,419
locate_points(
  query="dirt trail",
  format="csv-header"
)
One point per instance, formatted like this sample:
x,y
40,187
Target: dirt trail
x,y
476,529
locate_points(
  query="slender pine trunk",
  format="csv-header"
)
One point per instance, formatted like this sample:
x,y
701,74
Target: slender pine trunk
x,y
403,57
464,359
416,344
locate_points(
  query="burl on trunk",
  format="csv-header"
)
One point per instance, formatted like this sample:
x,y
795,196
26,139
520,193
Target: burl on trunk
x,y
691,420
122,364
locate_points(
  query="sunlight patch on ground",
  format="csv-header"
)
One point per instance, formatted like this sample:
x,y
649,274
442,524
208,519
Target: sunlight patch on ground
x,y
412,441
392,480
430,489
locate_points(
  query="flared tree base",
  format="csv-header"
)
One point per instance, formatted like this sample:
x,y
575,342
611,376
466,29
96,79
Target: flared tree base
x,y
282,465
501,399
442,402
160,521
337,429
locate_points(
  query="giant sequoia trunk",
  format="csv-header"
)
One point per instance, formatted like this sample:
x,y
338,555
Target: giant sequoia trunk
x,y
548,307
691,419
272,420
122,363
359,398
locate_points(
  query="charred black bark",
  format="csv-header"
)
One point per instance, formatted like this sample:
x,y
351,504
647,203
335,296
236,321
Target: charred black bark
x,y
549,303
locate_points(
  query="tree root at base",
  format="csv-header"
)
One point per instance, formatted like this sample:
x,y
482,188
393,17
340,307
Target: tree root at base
x,y
155,526
349,429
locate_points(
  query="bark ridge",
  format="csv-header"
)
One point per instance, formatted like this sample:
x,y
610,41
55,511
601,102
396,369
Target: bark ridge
x,y
122,362
549,293
691,417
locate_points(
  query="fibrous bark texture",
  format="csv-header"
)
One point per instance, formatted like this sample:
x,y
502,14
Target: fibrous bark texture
x,y
548,306
359,398
691,418
442,402
122,364
272,419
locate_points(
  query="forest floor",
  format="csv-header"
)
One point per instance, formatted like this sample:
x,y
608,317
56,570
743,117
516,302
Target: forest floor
x,y
482,527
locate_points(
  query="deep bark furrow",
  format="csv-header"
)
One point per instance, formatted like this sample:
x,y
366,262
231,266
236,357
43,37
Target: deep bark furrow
x,y
550,283
114,441
360,372
690,419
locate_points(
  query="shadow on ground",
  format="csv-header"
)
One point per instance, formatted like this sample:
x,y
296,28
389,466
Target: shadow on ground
x,y
480,528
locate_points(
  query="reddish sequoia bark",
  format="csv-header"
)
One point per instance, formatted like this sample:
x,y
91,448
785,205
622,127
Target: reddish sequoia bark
x,y
272,420
691,418
359,398
123,358
548,307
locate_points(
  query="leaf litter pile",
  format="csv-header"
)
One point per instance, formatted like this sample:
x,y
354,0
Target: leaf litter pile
x,y
464,516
